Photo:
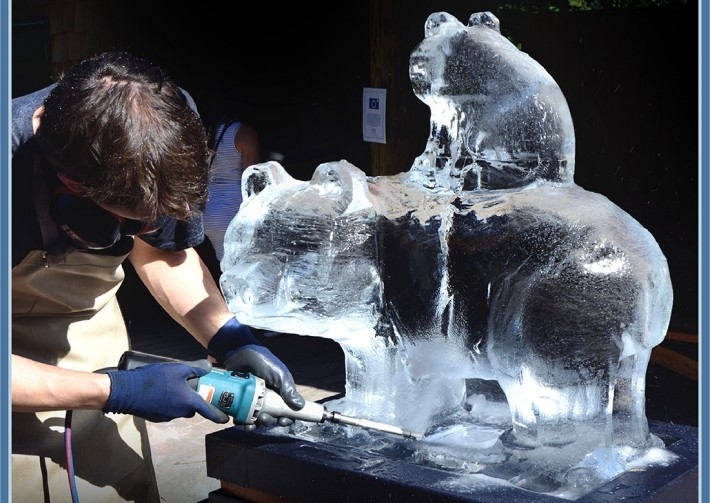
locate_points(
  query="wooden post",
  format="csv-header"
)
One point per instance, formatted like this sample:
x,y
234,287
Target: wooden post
x,y
393,35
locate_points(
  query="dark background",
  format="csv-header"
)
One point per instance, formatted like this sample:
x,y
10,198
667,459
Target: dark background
x,y
295,71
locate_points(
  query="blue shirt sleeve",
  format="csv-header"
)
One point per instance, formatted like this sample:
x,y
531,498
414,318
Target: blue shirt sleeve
x,y
23,108
173,235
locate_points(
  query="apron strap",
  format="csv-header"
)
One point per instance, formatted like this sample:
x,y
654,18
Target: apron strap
x,y
47,226
55,248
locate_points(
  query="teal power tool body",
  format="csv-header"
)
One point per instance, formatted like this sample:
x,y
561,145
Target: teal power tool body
x,y
245,396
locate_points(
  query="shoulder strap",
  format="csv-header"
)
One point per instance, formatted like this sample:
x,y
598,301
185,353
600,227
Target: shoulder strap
x,y
215,143
55,248
47,226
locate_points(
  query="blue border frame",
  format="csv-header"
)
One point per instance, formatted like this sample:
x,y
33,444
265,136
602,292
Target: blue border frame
x,y
704,218
4,253
5,416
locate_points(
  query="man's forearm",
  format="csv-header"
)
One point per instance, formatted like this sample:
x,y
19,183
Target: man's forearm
x,y
170,277
40,387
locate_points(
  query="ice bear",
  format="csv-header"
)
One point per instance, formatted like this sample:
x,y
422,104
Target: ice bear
x,y
484,262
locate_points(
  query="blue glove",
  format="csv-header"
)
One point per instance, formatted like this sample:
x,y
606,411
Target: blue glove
x,y
235,346
159,392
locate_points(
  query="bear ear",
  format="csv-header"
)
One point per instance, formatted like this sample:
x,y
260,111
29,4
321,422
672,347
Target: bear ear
x,y
259,176
437,22
484,19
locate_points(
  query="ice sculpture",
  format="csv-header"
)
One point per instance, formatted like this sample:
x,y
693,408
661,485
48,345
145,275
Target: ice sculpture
x,y
484,263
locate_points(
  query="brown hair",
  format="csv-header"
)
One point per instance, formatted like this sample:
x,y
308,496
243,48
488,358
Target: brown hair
x,y
121,127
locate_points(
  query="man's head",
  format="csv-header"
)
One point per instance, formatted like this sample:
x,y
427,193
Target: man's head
x,y
121,129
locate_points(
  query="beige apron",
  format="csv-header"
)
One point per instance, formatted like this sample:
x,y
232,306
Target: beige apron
x,y
65,313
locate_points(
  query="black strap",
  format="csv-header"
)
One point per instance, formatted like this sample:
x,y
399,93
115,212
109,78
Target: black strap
x,y
55,248
48,228
215,145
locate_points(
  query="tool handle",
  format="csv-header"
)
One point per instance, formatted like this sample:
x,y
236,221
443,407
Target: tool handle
x,y
133,359
243,397
236,395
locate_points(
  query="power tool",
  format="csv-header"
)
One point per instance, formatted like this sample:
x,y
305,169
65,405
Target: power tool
x,y
244,396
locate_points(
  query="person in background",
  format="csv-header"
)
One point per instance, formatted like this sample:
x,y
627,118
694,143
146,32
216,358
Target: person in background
x,y
110,164
236,147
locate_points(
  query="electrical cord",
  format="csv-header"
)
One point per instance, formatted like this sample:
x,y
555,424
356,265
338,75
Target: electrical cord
x,y
68,449
70,458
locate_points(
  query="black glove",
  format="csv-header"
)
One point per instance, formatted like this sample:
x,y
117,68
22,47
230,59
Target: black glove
x,y
159,392
235,346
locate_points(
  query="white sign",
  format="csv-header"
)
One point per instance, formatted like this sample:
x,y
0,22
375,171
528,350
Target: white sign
x,y
374,103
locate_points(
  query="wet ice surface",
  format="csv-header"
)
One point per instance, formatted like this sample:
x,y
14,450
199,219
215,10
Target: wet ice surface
x,y
472,451
482,296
